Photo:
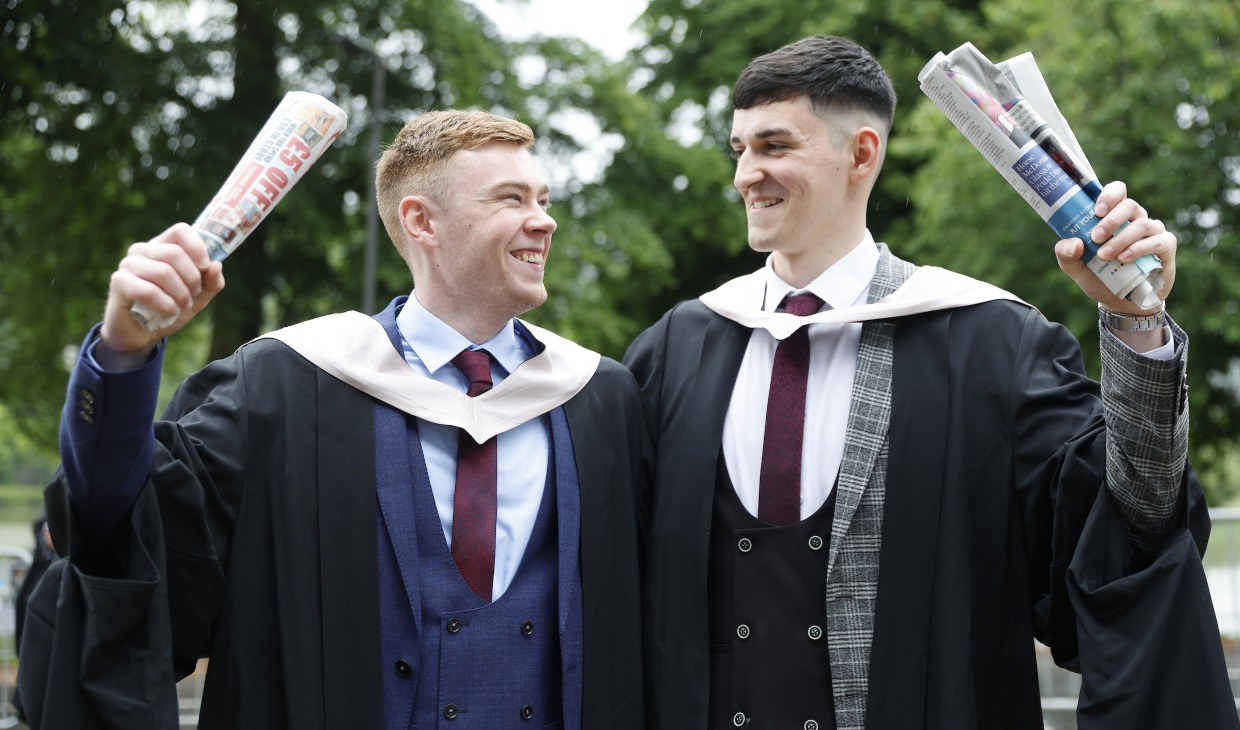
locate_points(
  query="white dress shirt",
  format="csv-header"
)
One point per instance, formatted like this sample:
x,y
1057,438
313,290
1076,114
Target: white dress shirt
x,y
833,364
523,452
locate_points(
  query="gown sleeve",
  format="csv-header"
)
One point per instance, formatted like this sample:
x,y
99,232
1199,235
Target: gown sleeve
x,y
129,610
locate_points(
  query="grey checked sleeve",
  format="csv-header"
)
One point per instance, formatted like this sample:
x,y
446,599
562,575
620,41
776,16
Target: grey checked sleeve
x,y
1145,404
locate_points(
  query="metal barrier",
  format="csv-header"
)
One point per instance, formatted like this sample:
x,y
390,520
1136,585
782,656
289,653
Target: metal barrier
x,y
14,562
1222,564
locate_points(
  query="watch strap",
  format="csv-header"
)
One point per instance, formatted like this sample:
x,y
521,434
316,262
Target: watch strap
x,y
1132,322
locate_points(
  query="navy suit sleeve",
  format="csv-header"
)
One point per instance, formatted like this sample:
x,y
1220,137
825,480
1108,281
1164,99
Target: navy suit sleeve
x,y
107,439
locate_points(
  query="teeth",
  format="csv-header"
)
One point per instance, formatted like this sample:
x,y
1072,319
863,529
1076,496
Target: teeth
x,y
530,257
765,203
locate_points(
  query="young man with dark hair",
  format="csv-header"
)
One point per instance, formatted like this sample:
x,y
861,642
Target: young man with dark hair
x,y
876,483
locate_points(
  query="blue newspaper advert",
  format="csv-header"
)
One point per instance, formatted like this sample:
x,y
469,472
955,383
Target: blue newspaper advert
x,y
1005,113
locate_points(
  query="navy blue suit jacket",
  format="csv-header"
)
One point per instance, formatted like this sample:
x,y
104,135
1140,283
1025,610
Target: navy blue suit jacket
x,y
253,541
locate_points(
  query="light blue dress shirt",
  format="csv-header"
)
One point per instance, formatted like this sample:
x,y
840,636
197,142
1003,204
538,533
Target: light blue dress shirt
x,y
523,452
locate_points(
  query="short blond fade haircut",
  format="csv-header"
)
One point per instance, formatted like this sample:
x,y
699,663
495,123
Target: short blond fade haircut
x,y
414,163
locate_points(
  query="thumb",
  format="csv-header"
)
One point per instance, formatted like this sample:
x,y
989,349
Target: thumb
x,y
1068,252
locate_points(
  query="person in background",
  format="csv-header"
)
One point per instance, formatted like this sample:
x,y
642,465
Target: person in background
x,y
41,557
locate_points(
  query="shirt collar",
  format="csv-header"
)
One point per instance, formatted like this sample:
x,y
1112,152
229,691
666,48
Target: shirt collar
x,y
435,342
843,284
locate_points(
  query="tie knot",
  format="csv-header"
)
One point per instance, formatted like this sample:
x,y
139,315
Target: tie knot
x,y
476,365
802,305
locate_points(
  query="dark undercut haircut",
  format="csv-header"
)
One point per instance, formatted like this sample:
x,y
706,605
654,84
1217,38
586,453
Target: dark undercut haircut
x,y
836,74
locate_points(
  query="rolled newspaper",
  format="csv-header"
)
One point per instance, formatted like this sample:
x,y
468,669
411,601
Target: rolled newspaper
x,y
962,86
1006,89
293,139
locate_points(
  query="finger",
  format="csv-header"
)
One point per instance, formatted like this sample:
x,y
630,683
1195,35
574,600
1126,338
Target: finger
x,y
128,288
1162,246
212,284
165,265
1111,195
1068,253
1142,236
1122,213
183,235
165,276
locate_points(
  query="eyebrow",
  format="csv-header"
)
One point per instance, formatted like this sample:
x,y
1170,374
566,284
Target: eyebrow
x,y
768,133
517,184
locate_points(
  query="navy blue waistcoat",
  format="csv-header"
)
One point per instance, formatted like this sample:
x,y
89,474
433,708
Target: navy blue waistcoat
x,y
498,661
417,598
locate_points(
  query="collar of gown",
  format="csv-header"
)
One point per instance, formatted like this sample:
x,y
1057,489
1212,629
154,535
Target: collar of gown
x,y
355,349
928,289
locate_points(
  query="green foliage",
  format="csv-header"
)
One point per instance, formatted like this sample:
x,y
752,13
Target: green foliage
x,y
21,462
118,118
1155,101
121,118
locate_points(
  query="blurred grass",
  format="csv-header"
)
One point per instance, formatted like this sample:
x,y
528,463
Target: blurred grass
x,y
20,502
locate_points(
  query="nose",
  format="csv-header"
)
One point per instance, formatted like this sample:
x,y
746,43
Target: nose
x,y
541,222
748,171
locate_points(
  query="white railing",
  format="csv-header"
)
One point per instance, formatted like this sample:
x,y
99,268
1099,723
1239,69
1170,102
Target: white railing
x,y
14,562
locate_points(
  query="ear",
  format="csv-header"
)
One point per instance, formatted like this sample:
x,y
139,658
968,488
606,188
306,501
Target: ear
x,y
417,219
867,151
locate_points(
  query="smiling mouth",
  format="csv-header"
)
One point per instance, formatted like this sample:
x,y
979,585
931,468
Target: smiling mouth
x,y
529,257
765,203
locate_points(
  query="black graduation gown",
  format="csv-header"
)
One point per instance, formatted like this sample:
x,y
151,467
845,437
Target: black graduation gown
x,y
995,468
255,543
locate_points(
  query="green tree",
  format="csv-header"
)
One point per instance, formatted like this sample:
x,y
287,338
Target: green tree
x,y
120,118
20,463
1154,99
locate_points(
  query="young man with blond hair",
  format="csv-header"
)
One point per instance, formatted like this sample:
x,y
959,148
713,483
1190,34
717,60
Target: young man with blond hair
x,y
425,518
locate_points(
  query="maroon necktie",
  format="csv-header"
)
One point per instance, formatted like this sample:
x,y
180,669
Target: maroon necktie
x,y
474,504
779,487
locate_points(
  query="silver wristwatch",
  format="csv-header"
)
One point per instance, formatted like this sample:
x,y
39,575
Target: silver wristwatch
x,y
1132,322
